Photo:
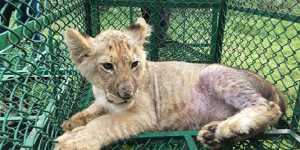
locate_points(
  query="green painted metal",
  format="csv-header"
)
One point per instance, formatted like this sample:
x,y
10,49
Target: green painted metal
x,y
190,143
168,134
92,18
155,19
218,34
30,140
40,87
265,13
88,18
95,19
165,3
7,39
214,34
296,112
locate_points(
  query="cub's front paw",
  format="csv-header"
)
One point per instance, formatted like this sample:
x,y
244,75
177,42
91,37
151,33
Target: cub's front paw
x,y
216,133
78,139
207,136
69,125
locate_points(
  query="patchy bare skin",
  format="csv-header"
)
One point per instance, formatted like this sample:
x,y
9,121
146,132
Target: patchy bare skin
x,y
133,95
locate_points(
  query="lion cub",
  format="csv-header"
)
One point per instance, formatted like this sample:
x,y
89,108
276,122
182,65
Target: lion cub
x,y
133,95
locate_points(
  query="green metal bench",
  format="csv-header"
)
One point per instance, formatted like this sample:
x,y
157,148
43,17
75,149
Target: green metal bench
x,y
40,87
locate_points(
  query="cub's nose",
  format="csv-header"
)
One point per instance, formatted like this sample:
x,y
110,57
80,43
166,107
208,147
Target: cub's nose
x,y
125,90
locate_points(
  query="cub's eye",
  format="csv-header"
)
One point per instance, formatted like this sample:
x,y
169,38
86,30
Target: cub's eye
x,y
108,66
134,64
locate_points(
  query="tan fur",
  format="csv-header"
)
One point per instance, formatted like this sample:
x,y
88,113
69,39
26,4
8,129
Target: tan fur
x,y
85,116
226,102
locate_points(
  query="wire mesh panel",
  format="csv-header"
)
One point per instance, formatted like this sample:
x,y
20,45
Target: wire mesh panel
x,y
188,36
263,36
153,144
177,35
39,86
284,142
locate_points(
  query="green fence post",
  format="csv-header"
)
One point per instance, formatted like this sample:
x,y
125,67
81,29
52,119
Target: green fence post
x,y
214,33
131,12
190,142
88,17
155,22
92,19
296,112
218,25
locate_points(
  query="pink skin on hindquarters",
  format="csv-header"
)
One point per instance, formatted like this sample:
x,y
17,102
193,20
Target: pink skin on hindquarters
x,y
210,109
200,105
204,105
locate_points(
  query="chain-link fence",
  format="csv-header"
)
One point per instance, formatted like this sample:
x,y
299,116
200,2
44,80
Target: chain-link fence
x,y
40,87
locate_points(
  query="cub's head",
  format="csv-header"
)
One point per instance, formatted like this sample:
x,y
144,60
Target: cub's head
x,y
114,60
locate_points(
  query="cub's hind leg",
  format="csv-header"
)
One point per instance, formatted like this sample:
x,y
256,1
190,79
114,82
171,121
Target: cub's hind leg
x,y
244,124
255,110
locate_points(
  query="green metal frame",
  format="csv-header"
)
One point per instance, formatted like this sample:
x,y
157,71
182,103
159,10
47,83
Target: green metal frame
x,y
94,20
296,112
12,38
188,135
155,20
218,25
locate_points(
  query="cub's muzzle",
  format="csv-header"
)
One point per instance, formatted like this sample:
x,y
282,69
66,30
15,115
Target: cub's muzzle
x,y
126,90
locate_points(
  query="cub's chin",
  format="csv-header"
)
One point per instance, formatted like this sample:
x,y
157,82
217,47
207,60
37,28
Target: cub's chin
x,y
110,101
119,102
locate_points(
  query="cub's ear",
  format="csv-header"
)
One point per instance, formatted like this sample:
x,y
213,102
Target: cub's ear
x,y
139,31
80,46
